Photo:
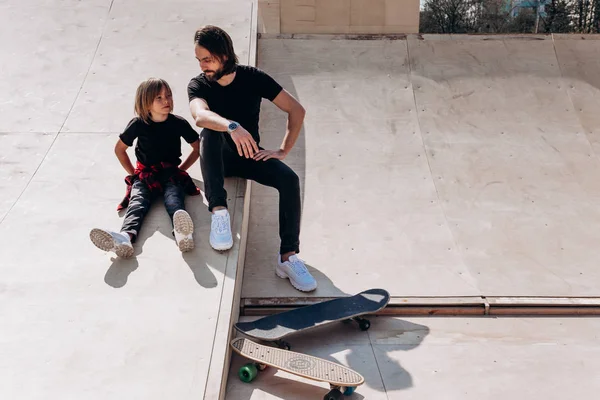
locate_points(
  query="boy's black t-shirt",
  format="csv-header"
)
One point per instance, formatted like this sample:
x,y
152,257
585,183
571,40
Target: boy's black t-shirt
x,y
240,100
159,141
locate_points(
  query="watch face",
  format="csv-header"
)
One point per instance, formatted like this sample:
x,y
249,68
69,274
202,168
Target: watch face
x,y
233,125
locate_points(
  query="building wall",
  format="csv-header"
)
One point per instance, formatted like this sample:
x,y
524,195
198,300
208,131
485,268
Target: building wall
x,y
338,16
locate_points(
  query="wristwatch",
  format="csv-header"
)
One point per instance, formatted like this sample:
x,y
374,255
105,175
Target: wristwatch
x,y
232,126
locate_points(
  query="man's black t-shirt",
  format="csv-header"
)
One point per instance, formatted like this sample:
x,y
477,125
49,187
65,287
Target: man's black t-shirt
x,y
240,100
159,141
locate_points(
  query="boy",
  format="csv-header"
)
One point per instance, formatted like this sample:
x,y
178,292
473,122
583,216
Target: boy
x,y
157,171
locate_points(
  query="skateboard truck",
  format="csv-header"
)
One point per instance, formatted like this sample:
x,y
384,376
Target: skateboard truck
x,y
282,344
363,323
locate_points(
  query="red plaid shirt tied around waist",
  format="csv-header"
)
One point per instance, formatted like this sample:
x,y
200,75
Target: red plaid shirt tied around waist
x,y
151,176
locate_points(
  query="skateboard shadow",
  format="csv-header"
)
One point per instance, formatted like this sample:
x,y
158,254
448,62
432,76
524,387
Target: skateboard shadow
x,y
157,220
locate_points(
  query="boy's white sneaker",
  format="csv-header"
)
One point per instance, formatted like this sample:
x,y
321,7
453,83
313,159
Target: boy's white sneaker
x,y
295,270
183,228
117,242
220,230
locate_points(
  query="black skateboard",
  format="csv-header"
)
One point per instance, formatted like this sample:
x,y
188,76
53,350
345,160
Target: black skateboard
x,y
275,327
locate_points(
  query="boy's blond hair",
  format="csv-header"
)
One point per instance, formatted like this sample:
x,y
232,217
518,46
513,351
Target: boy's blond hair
x,y
146,92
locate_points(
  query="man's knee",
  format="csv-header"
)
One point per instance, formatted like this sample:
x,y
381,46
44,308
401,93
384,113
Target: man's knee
x,y
288,180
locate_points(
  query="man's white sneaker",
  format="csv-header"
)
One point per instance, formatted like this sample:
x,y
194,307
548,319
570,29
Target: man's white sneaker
x,y
220,231
298,274
117,242
183,228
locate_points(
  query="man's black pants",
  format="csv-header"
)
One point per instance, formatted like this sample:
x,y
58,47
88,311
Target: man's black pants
x,y
219,159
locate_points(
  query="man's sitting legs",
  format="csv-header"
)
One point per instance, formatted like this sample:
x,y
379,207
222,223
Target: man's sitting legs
x,y
212,145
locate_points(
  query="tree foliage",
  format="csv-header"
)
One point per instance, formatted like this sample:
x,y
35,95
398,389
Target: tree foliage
x,y
502,16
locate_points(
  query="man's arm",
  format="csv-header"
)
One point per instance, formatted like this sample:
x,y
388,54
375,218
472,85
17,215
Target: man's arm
x,y
121,152
193,157
286,102
204,118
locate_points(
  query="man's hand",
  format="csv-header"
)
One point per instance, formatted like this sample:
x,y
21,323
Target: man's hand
x,y
245,143
267,154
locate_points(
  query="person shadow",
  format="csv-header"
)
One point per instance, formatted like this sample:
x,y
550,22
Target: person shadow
x,y
157,220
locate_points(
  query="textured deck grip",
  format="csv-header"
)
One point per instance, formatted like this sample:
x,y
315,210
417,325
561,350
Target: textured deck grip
x,y
301,364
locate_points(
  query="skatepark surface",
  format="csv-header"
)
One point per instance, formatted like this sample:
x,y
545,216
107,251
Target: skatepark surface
x,y
419,358
76,322
437,166
445,168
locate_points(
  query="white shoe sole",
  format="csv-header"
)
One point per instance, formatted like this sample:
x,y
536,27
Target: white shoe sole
x,y
104,241
283,275
184,226
221,246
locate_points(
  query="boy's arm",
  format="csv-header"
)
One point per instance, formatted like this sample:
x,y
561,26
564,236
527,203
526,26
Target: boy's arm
x,y
121,152
193,157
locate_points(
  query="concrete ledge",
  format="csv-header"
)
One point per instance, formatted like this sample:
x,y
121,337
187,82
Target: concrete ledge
x,y
216,384
447,306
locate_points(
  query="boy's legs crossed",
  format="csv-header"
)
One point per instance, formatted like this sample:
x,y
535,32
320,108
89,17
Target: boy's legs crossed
x,y
183,226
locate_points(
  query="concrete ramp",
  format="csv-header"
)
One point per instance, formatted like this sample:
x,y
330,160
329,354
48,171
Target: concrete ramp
x,y
77,323
449,167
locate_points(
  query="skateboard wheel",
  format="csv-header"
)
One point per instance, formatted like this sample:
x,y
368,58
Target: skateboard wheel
x,y
335,394
364,324
349,390
248,372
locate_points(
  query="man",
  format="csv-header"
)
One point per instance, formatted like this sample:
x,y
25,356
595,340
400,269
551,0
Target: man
x,y
225,101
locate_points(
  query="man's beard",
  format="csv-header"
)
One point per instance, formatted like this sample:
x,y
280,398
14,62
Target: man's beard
x,y
218,74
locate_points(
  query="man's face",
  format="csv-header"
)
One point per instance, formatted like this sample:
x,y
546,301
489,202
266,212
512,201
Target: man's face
x,y
209,64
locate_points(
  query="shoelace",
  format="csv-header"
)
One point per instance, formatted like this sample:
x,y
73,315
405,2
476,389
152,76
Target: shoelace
x,y
299,268
221,224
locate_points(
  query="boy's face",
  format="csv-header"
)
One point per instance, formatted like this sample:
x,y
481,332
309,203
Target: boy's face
x,y
209,64
163,103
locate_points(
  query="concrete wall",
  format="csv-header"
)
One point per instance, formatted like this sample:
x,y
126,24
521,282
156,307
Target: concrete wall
x,y
338,16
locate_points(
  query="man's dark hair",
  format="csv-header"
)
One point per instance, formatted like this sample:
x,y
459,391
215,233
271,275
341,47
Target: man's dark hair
x,y
219,44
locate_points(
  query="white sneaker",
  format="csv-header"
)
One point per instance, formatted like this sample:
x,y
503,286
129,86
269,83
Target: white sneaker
x,y
220,231
183,228
296,271
117,242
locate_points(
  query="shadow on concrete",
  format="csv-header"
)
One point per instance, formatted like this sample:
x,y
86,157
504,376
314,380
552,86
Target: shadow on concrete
x,y
120,269
368,354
